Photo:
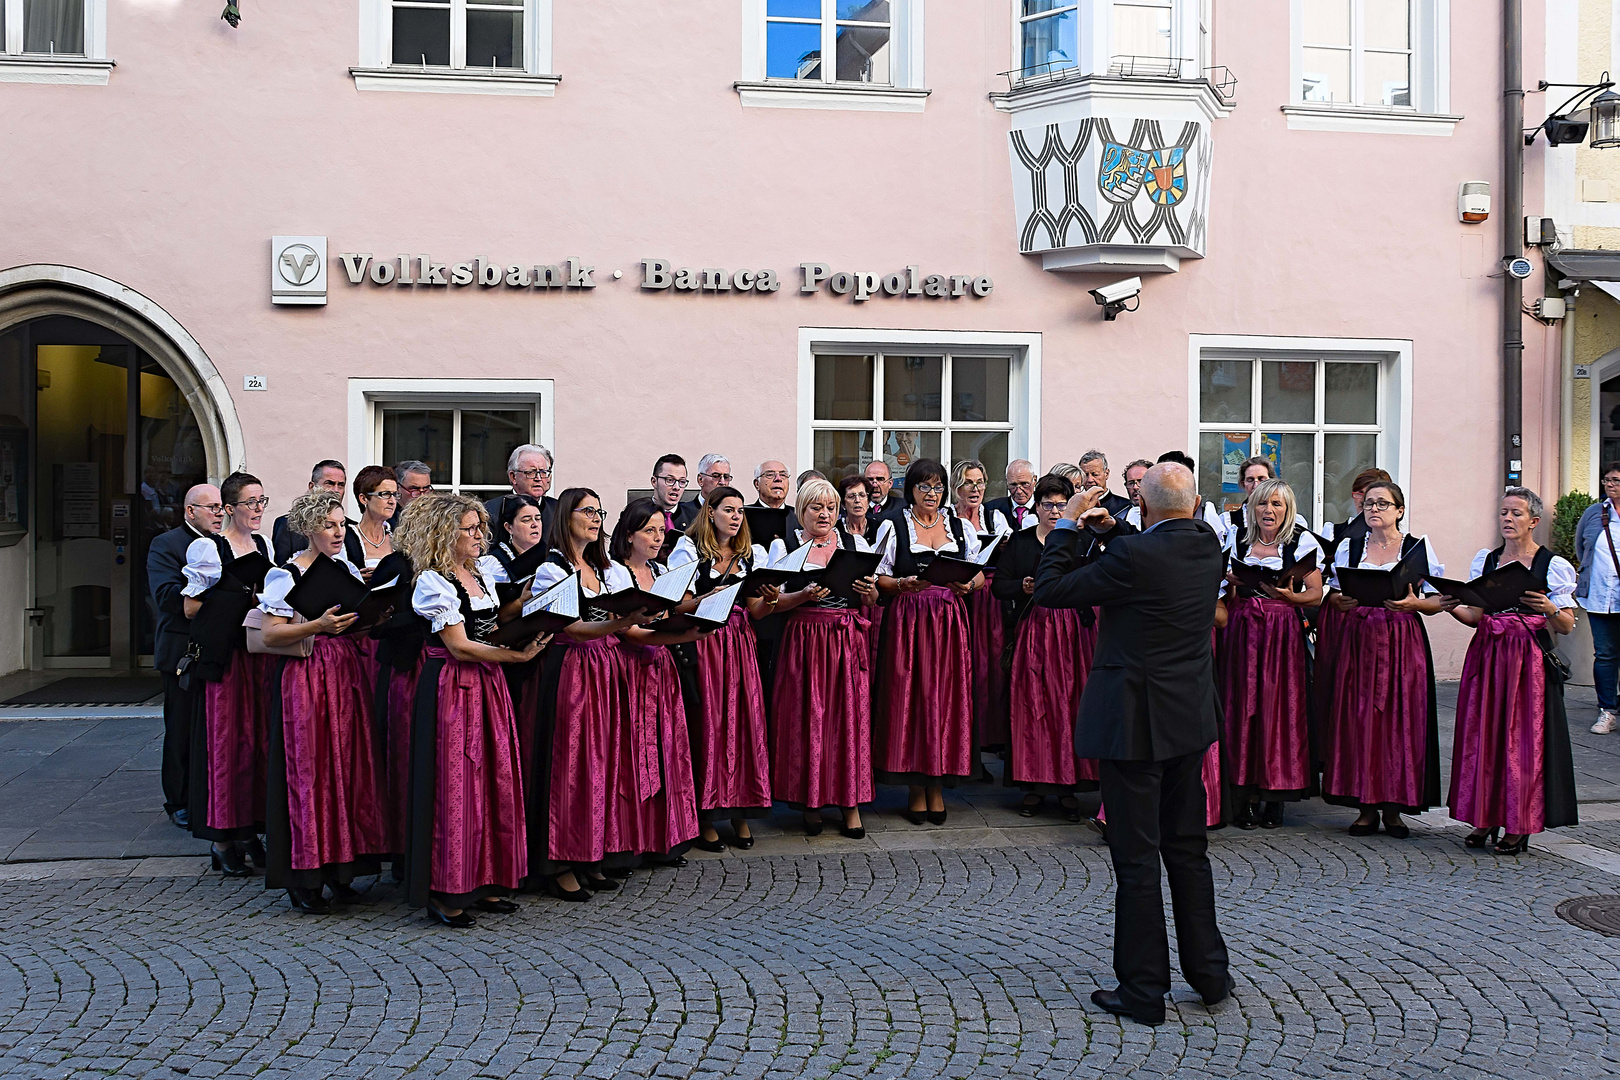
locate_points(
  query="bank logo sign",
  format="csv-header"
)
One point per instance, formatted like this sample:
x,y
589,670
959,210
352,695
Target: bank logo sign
x,y
298,269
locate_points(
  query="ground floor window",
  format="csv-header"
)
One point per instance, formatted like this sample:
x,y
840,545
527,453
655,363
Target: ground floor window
x,y
1320,419
908,403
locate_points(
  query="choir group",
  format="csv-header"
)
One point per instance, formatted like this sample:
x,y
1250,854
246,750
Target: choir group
x,y
479,760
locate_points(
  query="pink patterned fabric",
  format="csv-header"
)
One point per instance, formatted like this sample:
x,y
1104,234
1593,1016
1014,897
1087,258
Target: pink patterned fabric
x,y
1050,666
729,751
990,718
1499,745
1377,732
651,805
1264,696
821,745
334,792
236,711
924,721
591,705
479,839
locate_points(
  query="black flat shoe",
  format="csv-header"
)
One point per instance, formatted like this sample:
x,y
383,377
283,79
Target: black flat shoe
x,y
813,825
1517,847
345,894
667,863
1244,818
1071,811
254,849
1030,809
1480,837
1272,816
1110,1001
855,832
1364,829
1397,831
181,818
229,862
599,884
461,920
742,843
1214,999
716,845
309,902
916,817
619,873
936,817
497,905
577,895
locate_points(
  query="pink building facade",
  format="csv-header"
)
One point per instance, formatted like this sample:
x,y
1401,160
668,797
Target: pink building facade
x,y
811,230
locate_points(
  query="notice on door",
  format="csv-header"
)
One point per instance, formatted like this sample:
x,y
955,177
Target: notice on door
x,y
80,492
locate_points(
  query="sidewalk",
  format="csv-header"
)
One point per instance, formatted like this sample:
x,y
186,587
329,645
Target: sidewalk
x,y
87,787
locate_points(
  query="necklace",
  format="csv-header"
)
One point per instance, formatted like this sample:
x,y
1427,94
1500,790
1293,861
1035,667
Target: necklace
x,y
938,517
369,541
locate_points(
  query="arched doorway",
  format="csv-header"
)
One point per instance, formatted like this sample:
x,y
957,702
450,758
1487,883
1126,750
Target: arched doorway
x,y
109,411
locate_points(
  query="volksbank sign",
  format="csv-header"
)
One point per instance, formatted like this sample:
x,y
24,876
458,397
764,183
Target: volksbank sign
x,y
299,275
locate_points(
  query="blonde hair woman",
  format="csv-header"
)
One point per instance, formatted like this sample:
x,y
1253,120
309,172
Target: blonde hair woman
x,y
324,820
1265,686
465,843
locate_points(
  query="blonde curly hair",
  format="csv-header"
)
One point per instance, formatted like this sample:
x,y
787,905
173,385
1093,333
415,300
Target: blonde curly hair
x,y
427,531
310,510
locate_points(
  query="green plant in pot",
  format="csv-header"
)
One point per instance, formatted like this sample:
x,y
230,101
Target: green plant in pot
x,y
1566,515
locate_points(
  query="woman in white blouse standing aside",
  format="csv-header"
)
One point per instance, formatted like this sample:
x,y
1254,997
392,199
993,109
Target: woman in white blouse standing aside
x,y
1598,593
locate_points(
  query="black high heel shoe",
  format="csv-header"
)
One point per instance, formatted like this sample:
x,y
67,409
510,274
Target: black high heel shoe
x,y
916,817
461,920
1272,816
597,884
1480,837
1358,828
1517,847
309,901
229,862
497,905
936,817
854,832
1397,830
577,895
254,850
716,845
741,843
813,825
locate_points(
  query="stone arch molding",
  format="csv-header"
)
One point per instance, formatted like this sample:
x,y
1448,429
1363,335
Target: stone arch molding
x,y
38,289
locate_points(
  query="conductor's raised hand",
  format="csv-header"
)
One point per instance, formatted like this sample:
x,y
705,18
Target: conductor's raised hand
x,y
1082,501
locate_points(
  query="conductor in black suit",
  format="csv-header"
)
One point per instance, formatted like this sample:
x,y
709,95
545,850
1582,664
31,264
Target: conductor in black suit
x,y
165,577
1148,712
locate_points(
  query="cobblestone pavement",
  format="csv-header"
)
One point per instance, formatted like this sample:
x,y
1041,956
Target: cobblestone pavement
x,y
1354,957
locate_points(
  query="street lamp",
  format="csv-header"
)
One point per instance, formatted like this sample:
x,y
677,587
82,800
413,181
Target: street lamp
x,y
1565,126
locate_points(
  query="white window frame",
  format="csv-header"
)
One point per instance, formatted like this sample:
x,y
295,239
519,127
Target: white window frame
x,y
369,397
377,71
1429,82
1189,25
1024,401
89,68
905,92
1394,426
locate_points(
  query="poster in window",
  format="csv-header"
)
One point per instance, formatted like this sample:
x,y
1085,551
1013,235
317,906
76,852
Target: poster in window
x,y
1234,448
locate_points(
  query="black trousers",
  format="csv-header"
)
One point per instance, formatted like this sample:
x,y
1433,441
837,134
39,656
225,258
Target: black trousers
x,y
1156,811
178,706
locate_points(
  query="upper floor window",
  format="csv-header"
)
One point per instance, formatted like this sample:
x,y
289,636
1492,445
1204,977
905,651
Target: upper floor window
x,y
1375,56
43,27
856,34
459,33
1163,38
1142,29
1049,33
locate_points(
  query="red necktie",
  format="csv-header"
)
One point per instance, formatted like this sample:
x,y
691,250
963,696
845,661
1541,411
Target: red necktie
x,y
1018,516
669,521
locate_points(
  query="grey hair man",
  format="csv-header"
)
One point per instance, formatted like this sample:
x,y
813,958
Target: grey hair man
x,y
1018,505
528,468
714,470
415,478
1148,714
1094,467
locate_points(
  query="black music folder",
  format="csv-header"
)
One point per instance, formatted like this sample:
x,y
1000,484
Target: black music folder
x,y
947,569
1377,586
1494,592
847,567
666,593
1252,577
712,612
790,573
552,612
247,571
326,585
521,573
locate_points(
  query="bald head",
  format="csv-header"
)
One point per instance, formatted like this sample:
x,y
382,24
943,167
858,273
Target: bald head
x,y
205,511
1168,490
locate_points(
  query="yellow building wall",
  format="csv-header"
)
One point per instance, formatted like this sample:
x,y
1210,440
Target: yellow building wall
x,y
1592,59
1596,323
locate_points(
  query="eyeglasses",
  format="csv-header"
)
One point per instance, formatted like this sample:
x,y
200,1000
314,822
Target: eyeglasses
x,y
1377,505
719,477
1016,484
473,530
773,476
1055,507
533,474
210,508
1611,479
672,481
411,490
1131,485
591,512
332,485
253,504
929,489
381,495
974,485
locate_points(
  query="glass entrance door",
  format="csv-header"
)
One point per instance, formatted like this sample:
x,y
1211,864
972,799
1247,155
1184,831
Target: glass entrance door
x,y
116,448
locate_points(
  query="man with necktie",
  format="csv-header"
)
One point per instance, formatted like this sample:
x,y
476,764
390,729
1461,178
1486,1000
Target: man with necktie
x,y
1018,505
669,485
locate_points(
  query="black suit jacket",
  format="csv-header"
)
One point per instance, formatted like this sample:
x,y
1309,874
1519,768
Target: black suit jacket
x,y
548,514
284,543
1116,505
1005,505
1151,692
165,577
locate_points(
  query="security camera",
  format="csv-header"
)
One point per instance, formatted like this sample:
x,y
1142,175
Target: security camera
x,y
1113,298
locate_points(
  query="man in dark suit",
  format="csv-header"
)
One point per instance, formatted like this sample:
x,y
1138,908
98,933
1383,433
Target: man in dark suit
x,y
165,577
669,491
327,475
415,478
1018,505
885,500
1094,464
528,469
1148,713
